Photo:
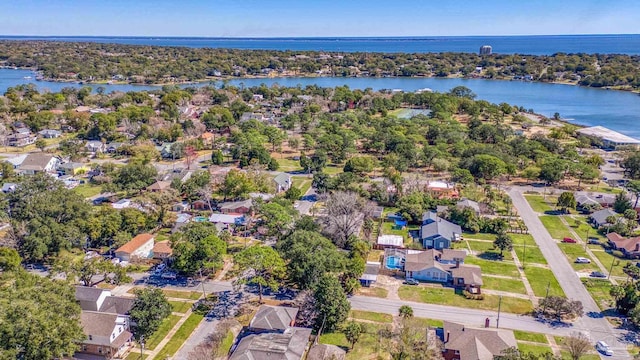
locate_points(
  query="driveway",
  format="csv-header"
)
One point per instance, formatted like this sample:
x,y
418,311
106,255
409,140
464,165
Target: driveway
x,y
597,325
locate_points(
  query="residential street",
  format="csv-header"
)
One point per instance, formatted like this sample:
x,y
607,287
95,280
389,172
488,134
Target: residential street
x,y
593,321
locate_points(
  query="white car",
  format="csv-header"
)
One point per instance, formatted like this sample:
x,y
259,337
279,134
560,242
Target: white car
x,y
602,347
582,260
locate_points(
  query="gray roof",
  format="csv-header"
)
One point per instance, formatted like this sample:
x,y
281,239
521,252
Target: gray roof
x,y
325,352
236,204
435,225
472,274
283,179
98,324
36,161
371,270
117,305
289,345
468,203
600,217
477,343
273,317
86,293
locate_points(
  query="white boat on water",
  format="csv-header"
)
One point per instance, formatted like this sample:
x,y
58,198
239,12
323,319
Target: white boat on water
x,y
27,78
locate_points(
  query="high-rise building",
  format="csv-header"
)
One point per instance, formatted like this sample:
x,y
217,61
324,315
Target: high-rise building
x,y
485,50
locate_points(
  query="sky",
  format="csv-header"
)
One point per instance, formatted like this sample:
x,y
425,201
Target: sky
x,y
316,18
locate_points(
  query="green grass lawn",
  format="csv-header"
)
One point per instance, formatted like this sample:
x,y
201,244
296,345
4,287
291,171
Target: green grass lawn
x,y
189,295
333,169
487,248
530,255
530,336
494,267
180,306
180,336
519,239
135,355
387,229
371,316
500,284
166,325
539,278
302,183
288,164
479,236
573,251
534,349
429,322
599,290
580,225
538,204
564,354
225,345
367,347
555,227
607,259
446,296
87,190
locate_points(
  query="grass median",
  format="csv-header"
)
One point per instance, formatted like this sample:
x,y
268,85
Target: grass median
x,y
166,326
501,284
540,279
556,228
530,336
180,337
538,203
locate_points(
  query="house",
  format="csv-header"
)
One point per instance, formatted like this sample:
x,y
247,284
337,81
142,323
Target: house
x,y
325,352
181,220
162,250
282,182
430,266
610,139
38,162
181,206
390,241
140,246
107,334
273,318
9,187
370,274
200,205
159,186
74,168
227,219
288,345
96,299
22,137
586,203
113,147
585,198
95,146
237,207
436,232
463,342
630,247
441,189
50,134
121,204
17,160
599,218
468,277
466,203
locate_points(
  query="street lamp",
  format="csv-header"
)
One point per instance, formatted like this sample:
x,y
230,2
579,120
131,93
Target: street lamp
x,y
141,347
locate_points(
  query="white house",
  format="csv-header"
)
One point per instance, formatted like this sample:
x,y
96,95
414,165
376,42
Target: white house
x,y
140,246
38,162
107,334
121,204
282,182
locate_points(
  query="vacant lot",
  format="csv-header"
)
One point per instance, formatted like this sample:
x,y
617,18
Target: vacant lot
x,y
540,279
166,325
599,290
494,267
530,336
538,204
501,284
371,316
531,254
555,227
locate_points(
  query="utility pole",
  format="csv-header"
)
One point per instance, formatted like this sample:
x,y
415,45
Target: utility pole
x,y
611,268
202,282
524,252
499,306
544,308
586,241
141,347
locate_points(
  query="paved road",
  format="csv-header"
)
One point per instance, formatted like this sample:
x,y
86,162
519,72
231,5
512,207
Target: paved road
x,y
206,328
599,327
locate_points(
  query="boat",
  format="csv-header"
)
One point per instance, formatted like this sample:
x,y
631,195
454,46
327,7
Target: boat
x,y
27,78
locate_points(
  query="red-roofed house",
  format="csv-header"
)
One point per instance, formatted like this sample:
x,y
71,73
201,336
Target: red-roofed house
x,y
140,246
630,247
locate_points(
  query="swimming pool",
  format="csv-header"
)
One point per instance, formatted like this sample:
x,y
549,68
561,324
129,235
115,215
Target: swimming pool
x,y
200,219
394,263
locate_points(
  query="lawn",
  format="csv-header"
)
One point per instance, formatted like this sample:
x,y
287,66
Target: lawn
x,y
133,355
166,325
583,229
566,356
530,336
479,236
302,183
487,250
494,267
180,336
189,295
519,239
374,292
87,190
333,169
573,251
429,322
387,229
530,255
500,284
540,278
367,347
446,296
180,306
534,349
288,164
555,227
227,342
607,259
599,290
371,316
538,204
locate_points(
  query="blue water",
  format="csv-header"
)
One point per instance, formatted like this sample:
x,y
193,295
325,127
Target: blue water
x,y
394,263
617,110
534,45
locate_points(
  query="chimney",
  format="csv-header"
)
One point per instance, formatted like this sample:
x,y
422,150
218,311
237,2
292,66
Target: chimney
x,y
447,338
637,246
457,263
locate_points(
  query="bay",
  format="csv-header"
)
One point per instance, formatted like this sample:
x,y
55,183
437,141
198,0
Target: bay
x,y
617,110
532,45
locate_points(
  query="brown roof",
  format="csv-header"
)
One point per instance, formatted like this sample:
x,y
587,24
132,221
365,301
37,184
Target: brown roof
x,y
36,161
289,345
159,185
451,255
477,343
422,260
162,247
628,244
98,324
325,352
135,243
273,317
471,274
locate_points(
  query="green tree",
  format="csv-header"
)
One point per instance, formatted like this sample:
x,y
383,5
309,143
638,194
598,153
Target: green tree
x,y
552,170
621,203
487,167
634,187
149,309
32,309
567,201
41,144
9,259
278,216
236,185
217,158
503,242
359,165
405,311
261,265
631,165
193,255
352,331
332,303
135,176
293,193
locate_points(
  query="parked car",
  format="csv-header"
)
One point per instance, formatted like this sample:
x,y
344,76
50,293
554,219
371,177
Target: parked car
x,y
569,240
169,276
582,260
604,348
597,274
160,268
594,241
411,281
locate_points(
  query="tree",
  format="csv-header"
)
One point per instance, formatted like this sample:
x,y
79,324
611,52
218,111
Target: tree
x,y
135,176
278,216
9,259
409,342
503,242
552,170
293,193
236,185
359,165
332,303
621,203
567,201
352,331
149,309
405,311
33,308
631,165
193,255
560,307
578,345
217,158
261,265
41,144
486,167
345,213
634,187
